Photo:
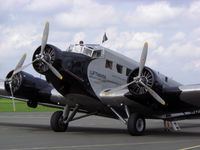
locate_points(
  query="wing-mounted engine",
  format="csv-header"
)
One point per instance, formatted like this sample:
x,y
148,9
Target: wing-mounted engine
x,y
147,77
147,88
141,81
27,86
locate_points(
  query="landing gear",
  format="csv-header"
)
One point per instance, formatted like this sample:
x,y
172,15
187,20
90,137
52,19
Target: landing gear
x,y
136,124
57,122
60,119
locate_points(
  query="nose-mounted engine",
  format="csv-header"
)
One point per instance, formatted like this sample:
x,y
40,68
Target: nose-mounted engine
x,y
50,55
147,77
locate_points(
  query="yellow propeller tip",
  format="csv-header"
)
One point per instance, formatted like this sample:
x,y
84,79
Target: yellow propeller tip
x,y
47,22
61,77
25,54
14,73
146,43
163,103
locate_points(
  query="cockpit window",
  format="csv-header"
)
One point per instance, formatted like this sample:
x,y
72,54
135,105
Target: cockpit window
x,y
86,50
97,53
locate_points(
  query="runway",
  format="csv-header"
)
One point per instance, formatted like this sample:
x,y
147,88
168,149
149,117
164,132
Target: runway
x,y
31,131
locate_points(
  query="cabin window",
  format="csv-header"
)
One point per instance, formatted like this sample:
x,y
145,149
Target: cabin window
x,y
119,68
109,64
128,71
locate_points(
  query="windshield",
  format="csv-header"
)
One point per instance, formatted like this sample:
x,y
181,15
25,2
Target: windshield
x,y
89,51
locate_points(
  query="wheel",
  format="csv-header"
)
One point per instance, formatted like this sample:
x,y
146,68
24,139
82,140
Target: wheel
x,y
57,123
136,124
32,104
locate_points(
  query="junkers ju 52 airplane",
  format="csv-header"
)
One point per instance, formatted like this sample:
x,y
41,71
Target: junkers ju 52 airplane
x,y
95,80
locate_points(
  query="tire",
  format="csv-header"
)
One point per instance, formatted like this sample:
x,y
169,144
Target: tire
x,y
136,124
57,123
32,104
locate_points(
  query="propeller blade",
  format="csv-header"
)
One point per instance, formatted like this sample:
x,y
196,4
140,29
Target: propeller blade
x,y
12,95
45,37
120,87
143,59
21,62
154,94
23,67
53,69
19,65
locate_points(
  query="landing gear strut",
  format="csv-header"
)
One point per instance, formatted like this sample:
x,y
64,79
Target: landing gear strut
x,y
136,124
60,119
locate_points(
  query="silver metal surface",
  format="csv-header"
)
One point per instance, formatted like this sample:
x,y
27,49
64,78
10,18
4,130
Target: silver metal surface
x,y
118,115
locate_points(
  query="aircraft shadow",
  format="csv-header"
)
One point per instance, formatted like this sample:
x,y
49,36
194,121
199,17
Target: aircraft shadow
x,y
102,130
95,130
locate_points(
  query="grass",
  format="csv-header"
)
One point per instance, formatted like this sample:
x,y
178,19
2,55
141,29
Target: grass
x,y
6,105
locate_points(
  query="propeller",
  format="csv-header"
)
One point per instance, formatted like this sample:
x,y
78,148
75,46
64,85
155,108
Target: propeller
x,y
138,79
40,56
9,80
12,95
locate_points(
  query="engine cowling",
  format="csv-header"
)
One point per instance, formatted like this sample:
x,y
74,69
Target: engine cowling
x,y
51,54
19,81
25,85
147,77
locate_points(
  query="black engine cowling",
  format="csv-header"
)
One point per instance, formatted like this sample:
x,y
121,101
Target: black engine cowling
x,y
148,77
25,85
51,54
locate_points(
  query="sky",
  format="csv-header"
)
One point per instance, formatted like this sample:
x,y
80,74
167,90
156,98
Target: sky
x,y
171,27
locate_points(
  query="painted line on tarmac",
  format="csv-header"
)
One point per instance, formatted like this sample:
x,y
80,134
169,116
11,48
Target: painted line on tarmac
x,y
17,117
188,148
103,145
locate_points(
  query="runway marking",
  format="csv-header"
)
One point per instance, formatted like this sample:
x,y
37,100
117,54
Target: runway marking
x,y
17,117
103,145
192,147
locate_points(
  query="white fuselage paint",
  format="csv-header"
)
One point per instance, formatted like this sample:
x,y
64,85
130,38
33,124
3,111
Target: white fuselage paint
x,y
102,78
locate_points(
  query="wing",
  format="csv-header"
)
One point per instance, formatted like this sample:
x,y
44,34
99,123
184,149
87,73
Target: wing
x,y
190,94
118,98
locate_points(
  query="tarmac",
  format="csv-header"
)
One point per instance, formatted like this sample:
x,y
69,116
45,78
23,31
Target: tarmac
x,y
31,131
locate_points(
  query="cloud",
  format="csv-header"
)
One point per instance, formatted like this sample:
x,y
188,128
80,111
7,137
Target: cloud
x,y
171,29
47,5
194,10
131,40
12,4
178,36
192,66
88,14
13,39
156,13
78,37
131,44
